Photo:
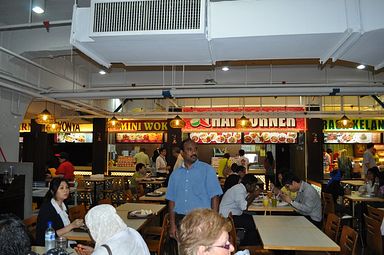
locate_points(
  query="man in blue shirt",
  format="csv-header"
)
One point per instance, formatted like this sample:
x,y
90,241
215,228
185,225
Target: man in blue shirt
x,y
191,186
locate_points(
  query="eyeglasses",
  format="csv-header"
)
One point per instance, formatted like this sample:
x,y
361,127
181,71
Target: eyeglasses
x,y
226,246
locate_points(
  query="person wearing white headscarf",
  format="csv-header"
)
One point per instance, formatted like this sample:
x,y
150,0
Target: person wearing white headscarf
x,y
107,228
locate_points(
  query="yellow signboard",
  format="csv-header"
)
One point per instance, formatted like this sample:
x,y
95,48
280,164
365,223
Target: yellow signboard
x,y
65,127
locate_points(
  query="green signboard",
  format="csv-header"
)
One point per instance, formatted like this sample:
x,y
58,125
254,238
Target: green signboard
x,y
358,125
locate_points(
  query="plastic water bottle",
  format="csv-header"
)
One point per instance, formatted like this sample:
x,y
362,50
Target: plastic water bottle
x,y
49,237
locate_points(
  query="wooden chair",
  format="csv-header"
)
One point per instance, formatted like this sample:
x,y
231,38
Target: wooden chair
x,y
156,243
84,192
30,223
348,241
373,235
329,207
77,212
375,213
252,249
332,226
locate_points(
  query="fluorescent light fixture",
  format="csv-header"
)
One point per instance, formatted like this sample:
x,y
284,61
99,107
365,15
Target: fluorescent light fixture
x,y
102,72
225,68
38,6
360,67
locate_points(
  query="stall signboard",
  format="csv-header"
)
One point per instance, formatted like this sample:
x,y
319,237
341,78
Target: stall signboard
x,y
73,138
351,137
368,125
270,137
139,137
216,137
141,126
258,124
65,127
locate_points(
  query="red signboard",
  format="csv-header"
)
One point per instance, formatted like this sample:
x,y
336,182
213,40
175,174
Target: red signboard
x,y
216,137
270,137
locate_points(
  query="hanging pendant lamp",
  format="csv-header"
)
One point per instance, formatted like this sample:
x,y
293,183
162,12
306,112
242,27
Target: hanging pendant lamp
x,y
114,123
177,122
344,122
45,117
53,128
243,122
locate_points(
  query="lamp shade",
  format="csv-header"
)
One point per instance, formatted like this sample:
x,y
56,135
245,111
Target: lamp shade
x,y
114,123
53,128
243,122
344,122
177,122
45,118
38,6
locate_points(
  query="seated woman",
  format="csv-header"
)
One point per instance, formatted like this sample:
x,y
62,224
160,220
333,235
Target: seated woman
x,y
111,234
204,231
54,209
371,182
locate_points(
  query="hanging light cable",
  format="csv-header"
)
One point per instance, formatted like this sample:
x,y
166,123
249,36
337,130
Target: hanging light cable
x,y
344,122
45,117
243,122
54,127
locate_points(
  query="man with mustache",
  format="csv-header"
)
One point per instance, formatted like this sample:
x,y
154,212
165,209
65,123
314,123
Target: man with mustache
x,y
193,185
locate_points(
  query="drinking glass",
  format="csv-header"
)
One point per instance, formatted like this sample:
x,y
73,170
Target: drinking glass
x,y
265,201
61,242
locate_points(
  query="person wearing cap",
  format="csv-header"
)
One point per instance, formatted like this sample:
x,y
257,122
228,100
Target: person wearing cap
x,y
65,169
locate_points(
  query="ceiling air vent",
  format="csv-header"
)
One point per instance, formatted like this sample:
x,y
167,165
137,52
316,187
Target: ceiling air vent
x,y
145,16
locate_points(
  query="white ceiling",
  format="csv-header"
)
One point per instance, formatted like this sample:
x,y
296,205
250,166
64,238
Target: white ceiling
x,y
242,30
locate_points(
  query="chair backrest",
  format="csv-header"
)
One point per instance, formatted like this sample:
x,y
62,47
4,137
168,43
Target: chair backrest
x,y
233,234
375,213
332,226
77,212
107,201
373,235
30,223
348,241
163,235
328,203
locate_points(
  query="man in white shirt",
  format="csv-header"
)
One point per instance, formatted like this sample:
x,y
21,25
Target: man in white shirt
x,y
368,159
236,200
162,169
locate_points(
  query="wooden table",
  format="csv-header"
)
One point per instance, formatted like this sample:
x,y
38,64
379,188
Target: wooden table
x,y
123,211
258,207
355,183
354,198
159,199
41,250
292,233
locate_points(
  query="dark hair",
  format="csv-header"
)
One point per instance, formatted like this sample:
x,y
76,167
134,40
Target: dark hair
x,y
139,166
162,149
175,150
249,179
53,187
226,155
14,239
289,177
240,168
142,149
234,167
155,154
329,150
369,145
188,140
270,157
241,152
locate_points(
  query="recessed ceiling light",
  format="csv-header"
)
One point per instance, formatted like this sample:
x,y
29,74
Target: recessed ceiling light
x,y
38,6
102,72
360,67
225,68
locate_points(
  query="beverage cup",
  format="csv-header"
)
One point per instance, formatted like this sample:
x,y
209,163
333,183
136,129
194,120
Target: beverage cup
x,y
274,202
61,242
265,201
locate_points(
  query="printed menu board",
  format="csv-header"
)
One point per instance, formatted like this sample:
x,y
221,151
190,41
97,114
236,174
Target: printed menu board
x,y
345,137
216,137
270,137
74,138
139,137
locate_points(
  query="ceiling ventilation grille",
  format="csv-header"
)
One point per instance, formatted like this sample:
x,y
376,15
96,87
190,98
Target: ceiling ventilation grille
x,y
150,15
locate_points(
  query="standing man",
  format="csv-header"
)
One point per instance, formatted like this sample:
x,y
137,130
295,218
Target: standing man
x,y
307,201
142,157
65,169
368,158
162,168
193,185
